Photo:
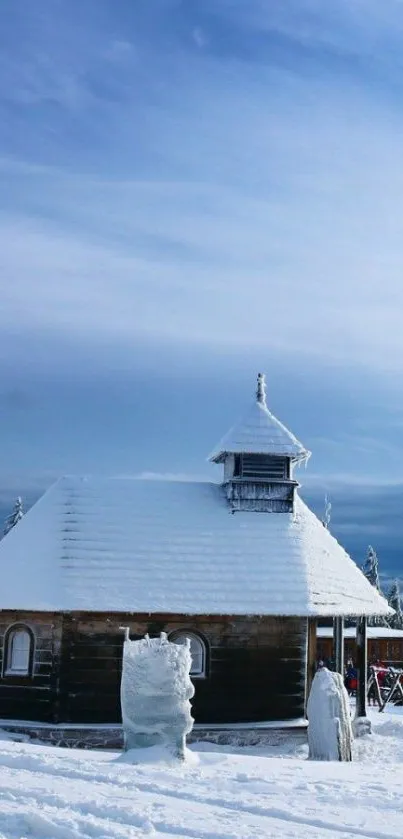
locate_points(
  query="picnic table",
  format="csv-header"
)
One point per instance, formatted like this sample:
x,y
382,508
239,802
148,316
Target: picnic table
x,y
386,683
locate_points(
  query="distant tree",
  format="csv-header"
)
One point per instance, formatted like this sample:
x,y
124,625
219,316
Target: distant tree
x,y
370,570
14,517
327,512
394,600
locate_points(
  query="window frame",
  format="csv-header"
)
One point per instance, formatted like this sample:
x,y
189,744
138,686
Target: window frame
x,y
7,651
191,633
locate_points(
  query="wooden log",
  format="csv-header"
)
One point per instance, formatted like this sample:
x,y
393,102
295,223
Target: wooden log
x,y
311,656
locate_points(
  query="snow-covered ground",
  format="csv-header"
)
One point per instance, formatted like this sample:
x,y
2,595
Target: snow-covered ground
x,y
219,793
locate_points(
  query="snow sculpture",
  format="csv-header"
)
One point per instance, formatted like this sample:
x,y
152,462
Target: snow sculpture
x,y
155,693
329,731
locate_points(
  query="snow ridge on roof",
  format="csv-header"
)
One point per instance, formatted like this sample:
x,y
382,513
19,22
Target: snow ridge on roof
x,y
147,546
260,432
351,632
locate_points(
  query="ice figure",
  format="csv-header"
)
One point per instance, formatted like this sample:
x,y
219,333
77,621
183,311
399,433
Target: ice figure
x,y
155,693
329,732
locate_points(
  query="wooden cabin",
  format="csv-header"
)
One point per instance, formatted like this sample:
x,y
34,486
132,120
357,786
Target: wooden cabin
x,y
383,644
242,567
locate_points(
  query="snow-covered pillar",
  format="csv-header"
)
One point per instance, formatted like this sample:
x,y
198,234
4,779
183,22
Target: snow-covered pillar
x,y
338,645
362,724
329,730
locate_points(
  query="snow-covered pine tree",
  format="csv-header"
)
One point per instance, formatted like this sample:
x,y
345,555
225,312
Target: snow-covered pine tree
x,y
394,600
327,512
370,570
14,517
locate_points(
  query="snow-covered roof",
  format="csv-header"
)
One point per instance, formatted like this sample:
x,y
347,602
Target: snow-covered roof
x,y
147,546
260,432
372,632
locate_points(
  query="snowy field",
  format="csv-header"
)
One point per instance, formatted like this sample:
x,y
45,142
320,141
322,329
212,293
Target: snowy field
x,y
219,793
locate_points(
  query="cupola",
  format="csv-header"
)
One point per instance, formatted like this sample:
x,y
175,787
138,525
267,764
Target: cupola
x,y
258,454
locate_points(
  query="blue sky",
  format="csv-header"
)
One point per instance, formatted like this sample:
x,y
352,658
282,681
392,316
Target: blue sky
x,y
192,192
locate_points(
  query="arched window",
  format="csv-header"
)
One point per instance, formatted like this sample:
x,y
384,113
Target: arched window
x,y
18,651
197,651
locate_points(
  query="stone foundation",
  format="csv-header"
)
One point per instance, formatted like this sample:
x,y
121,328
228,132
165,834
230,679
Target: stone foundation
x,y
111,737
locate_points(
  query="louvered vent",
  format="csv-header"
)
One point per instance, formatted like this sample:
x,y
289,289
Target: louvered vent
x,y
263,467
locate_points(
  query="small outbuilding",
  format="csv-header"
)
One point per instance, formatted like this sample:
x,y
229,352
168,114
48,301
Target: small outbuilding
x,y
384,644
242,567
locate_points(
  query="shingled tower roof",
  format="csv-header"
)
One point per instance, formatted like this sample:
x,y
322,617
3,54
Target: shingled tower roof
x,y
260,432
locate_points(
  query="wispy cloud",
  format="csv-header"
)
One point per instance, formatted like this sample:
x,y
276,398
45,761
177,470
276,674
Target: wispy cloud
x,y
228,187
221,181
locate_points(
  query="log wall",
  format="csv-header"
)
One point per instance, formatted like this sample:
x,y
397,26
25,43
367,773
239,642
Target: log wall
x,y
34,696
256,667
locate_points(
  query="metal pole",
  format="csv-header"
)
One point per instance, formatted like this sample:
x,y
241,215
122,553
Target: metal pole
x,y
338,645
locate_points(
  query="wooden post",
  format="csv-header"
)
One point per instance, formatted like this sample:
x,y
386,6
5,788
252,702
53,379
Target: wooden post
x,y
362,665
361,723
338,645
311,655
